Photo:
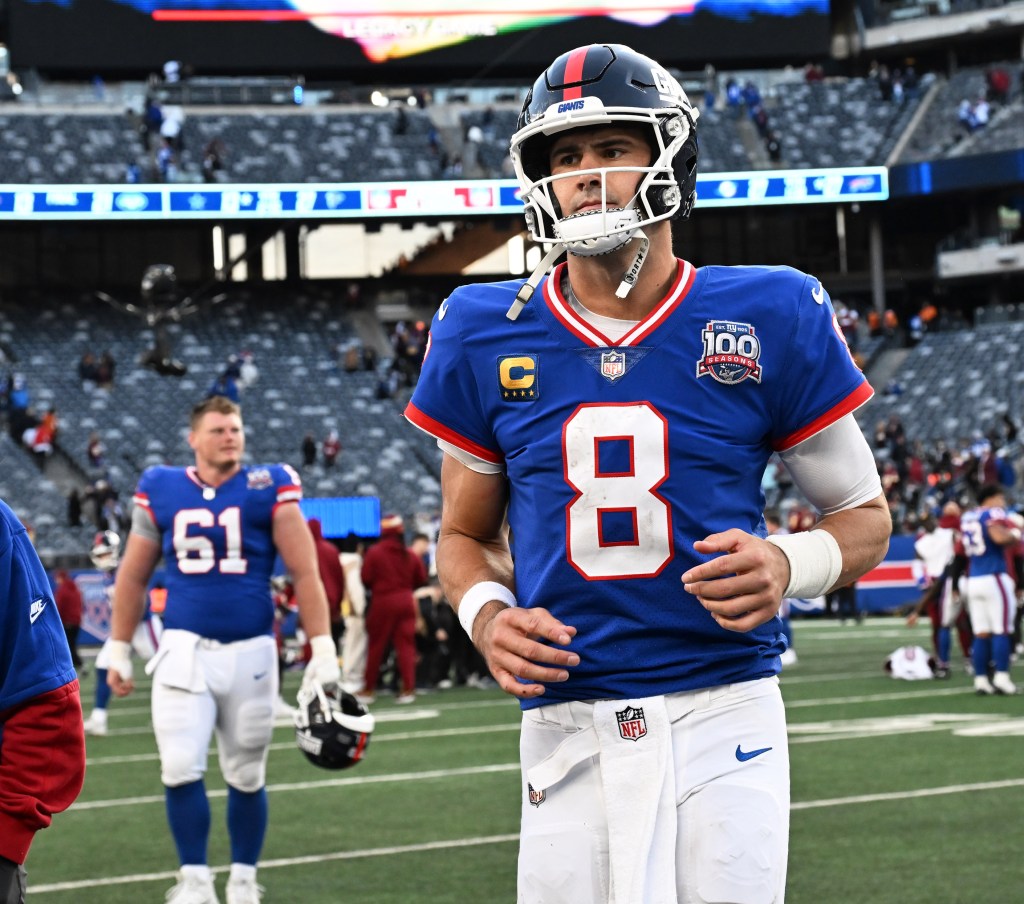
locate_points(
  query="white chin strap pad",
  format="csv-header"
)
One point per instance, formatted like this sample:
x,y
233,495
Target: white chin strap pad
x,y
587,234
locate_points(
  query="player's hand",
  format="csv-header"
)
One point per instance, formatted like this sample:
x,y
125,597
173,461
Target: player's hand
x,y
743,586
119,670
323,661
515,644
912,619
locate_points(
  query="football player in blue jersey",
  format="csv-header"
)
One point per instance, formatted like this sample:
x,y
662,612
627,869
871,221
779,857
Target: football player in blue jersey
x,y
218,525
991,595
606,426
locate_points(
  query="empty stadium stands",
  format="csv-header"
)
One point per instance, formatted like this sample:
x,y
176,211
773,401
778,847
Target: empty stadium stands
x,y
143,419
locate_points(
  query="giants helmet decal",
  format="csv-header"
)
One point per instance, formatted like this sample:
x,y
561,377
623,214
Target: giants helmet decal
x,y
332,728
601,85
106,550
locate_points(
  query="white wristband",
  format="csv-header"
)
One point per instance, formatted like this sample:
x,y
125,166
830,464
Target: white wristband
x,y
322,645
120,658
478,596
815,562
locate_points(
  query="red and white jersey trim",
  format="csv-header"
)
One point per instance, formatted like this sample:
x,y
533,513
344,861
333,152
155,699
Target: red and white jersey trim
x,y
587,333
435,428
851,403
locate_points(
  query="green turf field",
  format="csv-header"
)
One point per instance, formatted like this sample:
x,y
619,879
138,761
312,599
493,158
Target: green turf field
x,y
903,792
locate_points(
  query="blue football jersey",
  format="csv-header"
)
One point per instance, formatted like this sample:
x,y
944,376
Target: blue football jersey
x,y
621,455
987,556
218,546
34,654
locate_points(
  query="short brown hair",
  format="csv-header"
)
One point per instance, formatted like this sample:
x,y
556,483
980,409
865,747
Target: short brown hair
x,y
219,404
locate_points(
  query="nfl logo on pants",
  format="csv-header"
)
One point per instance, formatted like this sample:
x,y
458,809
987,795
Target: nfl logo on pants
x,y
632,725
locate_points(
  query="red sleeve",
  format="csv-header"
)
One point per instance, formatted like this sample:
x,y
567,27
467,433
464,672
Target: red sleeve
x,y
42,765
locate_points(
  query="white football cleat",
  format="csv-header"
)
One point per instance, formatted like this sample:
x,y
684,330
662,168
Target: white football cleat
x,y
982,686
193,890
1003,685
244,891
96,724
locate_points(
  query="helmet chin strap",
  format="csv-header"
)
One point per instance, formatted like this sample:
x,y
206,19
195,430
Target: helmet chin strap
x,y
628,278
633,271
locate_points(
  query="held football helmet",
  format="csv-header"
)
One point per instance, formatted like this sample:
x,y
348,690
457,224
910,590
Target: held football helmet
x,y
106,550
332,728
600,85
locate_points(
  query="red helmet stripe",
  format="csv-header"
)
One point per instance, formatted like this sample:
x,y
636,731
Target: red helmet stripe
x,y
574,73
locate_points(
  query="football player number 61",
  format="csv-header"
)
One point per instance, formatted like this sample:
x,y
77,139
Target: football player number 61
x,y
196,554
615,458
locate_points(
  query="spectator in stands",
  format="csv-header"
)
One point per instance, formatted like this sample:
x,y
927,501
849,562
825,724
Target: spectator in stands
x,y
734,97
390,574
884,83
96,452
149,126
165,165
308,451
172,72
248,372
997,84
331,448
773,146
225,385
88,370
74,508
105,368
213,159
813,73
848,319
68,598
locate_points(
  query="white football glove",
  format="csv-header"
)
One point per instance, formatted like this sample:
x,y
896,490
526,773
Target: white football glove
x,y
323,661
120,659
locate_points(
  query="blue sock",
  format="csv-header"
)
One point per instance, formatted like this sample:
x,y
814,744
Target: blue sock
x,y
1001,652
945,641
981,652
103,691
188,814
247,824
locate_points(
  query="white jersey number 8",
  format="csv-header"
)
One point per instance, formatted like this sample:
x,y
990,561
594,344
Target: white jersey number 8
x,y
632,439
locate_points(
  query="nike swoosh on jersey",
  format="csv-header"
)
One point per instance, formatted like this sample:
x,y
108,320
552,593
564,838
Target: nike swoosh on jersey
x,y
744,755
259,675
441,311
818,294
36,609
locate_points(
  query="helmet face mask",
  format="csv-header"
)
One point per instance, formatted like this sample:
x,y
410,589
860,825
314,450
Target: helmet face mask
x,y
332,728
606,85
106,550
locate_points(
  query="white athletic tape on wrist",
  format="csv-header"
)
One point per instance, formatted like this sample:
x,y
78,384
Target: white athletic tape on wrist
x,y
815,562
120,658
478,596
323,660
322,645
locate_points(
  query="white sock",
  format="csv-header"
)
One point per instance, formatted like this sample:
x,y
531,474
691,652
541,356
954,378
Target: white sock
x,y
243,871
197,871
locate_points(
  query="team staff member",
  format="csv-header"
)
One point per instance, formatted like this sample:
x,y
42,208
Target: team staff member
x,y
620,416
42,742
219,526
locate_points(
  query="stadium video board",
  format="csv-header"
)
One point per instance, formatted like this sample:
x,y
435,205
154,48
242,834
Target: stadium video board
x,y
386,39
398,200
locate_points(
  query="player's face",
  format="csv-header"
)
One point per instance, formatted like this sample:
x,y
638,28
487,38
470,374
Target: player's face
x,y
578,150
218,441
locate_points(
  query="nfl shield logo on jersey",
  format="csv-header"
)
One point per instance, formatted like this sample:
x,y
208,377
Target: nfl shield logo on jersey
x,y
613,365
536,797
632,724
731,352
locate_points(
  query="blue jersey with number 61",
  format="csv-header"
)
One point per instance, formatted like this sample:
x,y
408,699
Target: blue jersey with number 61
x,y
218,546
620,455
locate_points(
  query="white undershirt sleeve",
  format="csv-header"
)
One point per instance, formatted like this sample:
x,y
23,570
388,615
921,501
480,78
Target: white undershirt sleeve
x,y
834,469
469,460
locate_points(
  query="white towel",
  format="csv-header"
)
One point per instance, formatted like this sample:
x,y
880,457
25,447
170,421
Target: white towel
x,y
177,658
639,789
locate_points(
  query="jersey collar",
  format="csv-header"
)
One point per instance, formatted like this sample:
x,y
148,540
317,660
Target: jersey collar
x,y
590,335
